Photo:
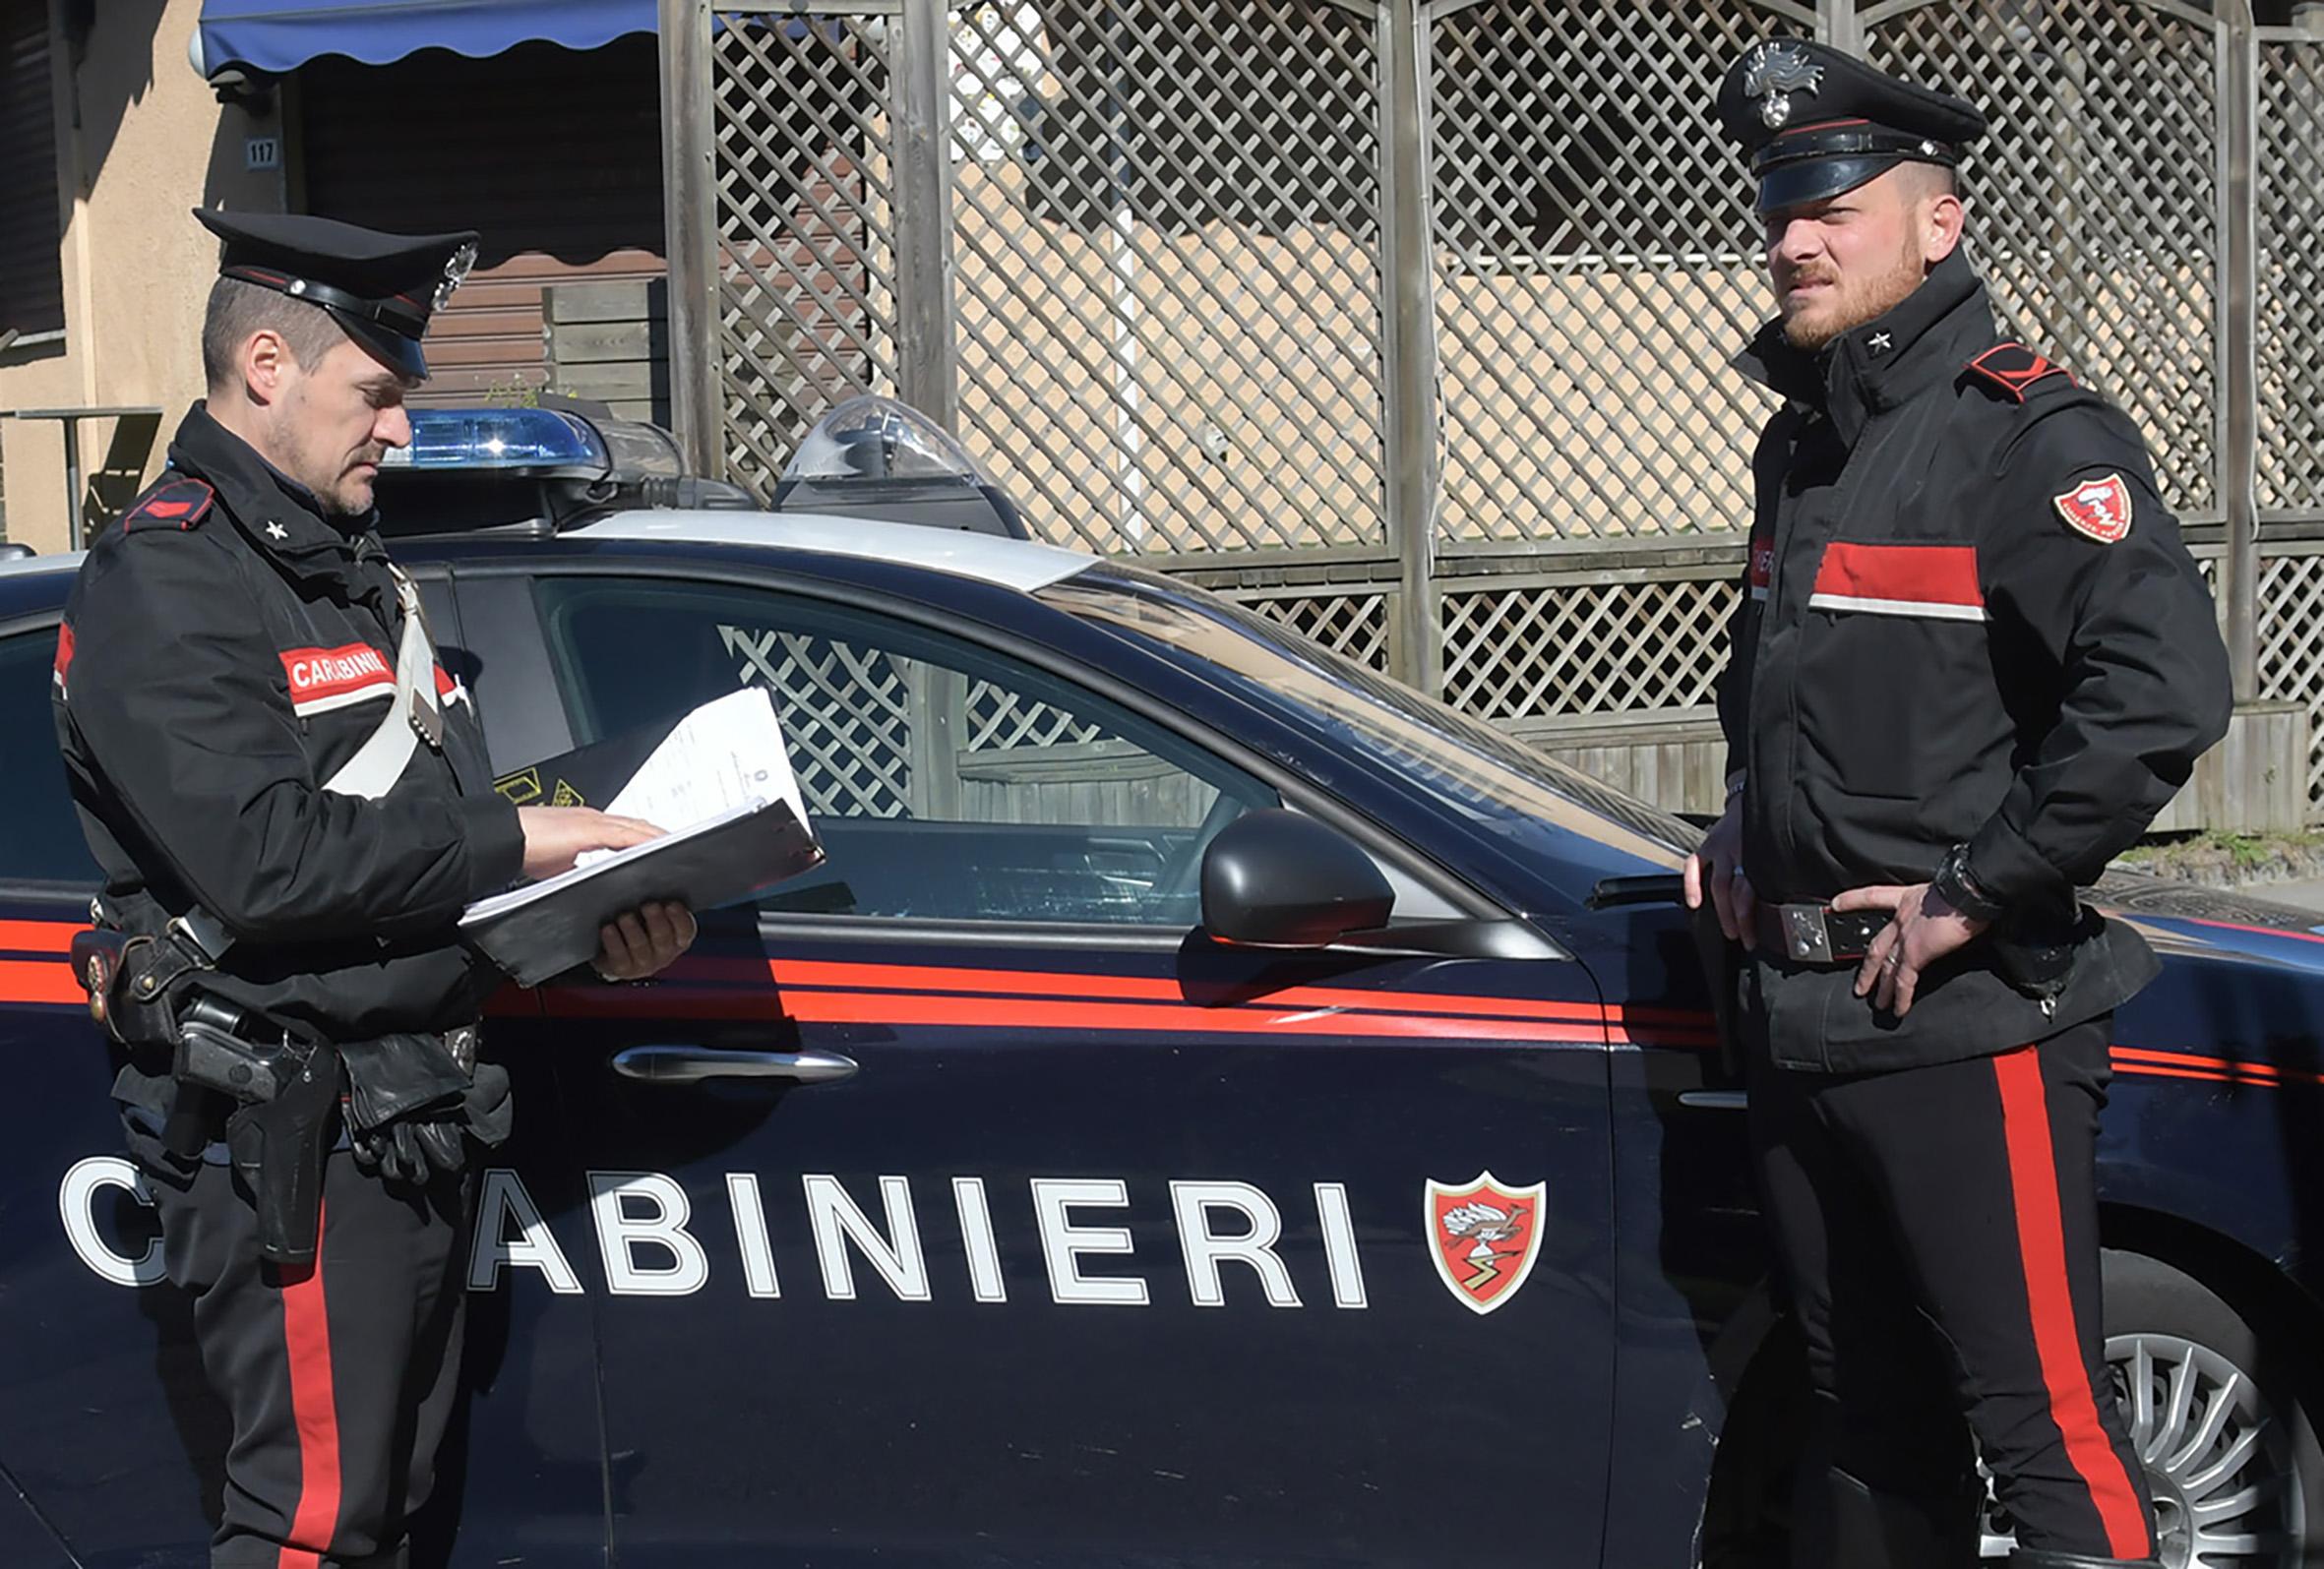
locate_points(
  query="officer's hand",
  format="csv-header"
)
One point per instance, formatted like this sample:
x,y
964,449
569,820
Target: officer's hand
x,y
1923,929
1717,867
644,942
554,835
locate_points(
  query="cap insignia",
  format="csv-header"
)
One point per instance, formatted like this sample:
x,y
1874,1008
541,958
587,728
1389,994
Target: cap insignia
x,y
1775,71
456,272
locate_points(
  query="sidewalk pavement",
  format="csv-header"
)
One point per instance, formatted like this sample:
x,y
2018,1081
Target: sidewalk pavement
x,y
2309,895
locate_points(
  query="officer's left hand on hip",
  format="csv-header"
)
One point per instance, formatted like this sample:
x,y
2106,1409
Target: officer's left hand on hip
x,y
1923,929
646,941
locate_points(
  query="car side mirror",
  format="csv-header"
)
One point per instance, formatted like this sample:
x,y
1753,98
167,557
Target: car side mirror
x,y
1276,880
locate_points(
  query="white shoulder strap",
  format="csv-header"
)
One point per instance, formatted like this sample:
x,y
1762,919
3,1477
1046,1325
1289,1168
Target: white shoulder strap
x,y
412,715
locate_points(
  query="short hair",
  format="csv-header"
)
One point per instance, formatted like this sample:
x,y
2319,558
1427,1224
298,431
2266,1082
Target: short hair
x,y
1932,180
238,307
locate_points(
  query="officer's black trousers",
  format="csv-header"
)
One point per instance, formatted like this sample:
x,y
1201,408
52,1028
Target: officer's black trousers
x,y
339,1378
1938,1231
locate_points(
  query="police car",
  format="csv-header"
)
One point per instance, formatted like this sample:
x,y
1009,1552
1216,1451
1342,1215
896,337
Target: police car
x,y
1214,1107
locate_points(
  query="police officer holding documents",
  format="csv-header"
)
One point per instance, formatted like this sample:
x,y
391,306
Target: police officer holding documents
x,y
1972,661
289,797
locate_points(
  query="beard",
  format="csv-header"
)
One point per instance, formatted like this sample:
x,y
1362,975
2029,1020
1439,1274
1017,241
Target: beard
x,y
350,495
1851,304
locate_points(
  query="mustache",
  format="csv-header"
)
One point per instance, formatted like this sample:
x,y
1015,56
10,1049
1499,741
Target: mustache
x,y
1793,277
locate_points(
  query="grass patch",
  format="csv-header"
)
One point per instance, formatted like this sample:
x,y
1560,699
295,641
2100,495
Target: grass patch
x,y
2219,858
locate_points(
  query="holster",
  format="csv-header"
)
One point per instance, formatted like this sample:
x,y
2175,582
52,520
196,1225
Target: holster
x,y
131,981
286,1091
134,982
2037,956
278,1147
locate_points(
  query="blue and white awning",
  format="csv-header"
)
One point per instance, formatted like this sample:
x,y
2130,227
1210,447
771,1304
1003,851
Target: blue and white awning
x,y
280,35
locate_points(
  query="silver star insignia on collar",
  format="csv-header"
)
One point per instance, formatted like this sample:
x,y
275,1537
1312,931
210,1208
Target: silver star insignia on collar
x,y
277,531
1880,342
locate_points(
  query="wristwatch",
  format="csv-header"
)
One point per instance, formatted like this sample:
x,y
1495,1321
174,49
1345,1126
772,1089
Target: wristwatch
x,y
1958,887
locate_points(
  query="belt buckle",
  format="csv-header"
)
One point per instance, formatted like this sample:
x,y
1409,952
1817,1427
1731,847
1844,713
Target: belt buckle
x,y
1806,939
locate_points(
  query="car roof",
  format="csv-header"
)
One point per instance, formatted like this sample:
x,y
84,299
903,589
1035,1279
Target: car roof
x,y
1014,564
35,565
988,558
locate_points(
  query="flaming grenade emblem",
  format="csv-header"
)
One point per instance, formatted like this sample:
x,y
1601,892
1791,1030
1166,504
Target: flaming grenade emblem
x,y
1777,71
1484,1236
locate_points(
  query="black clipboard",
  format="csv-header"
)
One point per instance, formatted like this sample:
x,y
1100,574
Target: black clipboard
x,y
545,929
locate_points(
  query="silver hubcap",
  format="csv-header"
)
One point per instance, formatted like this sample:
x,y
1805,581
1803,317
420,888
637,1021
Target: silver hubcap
x,y
2220,1463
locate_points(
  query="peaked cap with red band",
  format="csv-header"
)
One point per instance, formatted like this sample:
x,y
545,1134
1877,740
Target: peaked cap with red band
x,y
1817,123
381,287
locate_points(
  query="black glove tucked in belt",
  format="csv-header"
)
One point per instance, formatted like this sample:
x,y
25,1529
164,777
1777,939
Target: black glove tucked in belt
x,y
412,1105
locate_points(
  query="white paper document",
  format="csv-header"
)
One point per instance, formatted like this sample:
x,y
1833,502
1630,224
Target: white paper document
x,y
721,787
722,756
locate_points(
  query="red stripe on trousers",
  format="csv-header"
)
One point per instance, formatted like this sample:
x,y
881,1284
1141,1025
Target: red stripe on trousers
x,y
2041,1246
306,1335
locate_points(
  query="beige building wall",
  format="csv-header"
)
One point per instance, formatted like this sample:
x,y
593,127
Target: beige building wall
x,y
141,141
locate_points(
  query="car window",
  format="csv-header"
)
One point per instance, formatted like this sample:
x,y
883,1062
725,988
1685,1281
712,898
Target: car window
x,y
39,834
947,781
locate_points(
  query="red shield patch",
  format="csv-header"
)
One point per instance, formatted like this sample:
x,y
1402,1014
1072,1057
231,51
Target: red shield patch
x,y
2097,508
1483,1236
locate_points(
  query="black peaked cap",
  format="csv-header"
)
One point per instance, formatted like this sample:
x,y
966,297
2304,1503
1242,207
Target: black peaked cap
x,y
381,287
1816,122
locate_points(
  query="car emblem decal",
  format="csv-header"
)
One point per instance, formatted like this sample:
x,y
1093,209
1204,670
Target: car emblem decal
x,y
1776,72
1483,1236
2097,508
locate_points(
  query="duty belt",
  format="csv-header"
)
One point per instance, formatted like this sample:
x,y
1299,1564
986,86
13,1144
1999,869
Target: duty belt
x,y
1816,933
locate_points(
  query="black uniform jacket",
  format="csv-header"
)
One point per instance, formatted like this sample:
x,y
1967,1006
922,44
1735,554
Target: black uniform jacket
x,y
224,652
1968,618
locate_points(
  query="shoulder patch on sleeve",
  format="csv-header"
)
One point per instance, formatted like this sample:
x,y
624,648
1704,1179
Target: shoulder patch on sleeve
x,y
2015,369
2098,509
178,502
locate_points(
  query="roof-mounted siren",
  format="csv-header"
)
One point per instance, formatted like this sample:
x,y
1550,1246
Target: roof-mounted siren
x,y
468,468
876,457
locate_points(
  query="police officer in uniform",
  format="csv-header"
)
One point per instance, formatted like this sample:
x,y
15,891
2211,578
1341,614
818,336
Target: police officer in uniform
x,y
290,800
1972,660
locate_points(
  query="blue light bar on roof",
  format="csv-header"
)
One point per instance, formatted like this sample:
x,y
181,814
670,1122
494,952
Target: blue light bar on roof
x,y
500,439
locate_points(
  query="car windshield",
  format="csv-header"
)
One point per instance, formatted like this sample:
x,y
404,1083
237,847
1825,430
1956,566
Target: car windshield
x,y
1494,780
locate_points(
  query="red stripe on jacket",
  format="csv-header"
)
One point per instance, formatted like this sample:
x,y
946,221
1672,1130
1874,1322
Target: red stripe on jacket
x,y
1937,574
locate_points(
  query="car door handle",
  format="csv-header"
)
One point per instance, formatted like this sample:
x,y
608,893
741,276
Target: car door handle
x,y
1716,1099
690,1065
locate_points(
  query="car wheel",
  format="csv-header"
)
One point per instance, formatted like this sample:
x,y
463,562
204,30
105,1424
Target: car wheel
x,y
2231,1457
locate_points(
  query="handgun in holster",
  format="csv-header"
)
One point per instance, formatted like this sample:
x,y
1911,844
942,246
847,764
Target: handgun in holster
x,y
280,1134
283,1092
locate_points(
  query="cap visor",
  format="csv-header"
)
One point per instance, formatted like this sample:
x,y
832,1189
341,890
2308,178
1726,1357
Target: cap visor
x,y
1820,179
399,353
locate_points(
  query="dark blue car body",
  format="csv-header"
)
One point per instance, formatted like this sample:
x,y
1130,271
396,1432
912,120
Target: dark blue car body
x,y
1119,1245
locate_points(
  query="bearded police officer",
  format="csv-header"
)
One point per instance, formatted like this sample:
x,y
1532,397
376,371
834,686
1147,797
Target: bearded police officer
x,y
1972,662
290,800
